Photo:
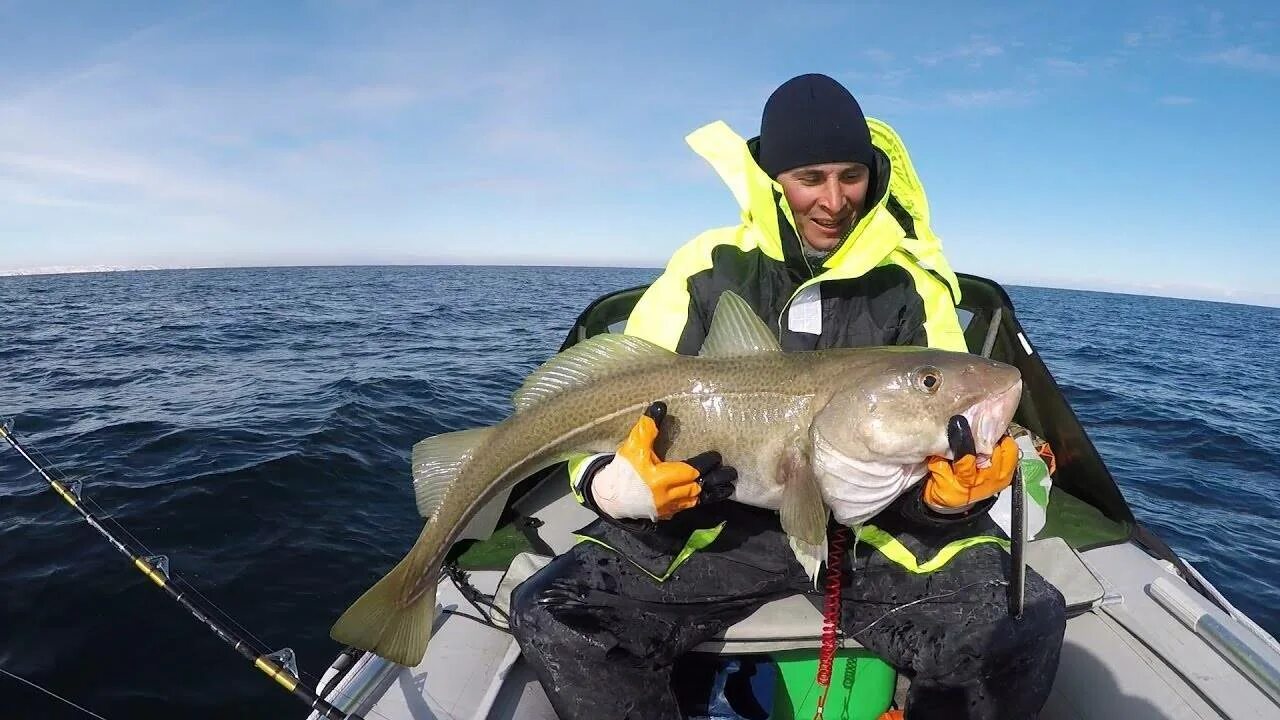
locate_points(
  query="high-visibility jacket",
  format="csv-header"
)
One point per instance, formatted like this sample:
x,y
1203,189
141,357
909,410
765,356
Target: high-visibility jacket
x,y
887,283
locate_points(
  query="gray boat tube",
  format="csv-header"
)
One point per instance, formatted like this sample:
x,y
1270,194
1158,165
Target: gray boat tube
x,y
1260,665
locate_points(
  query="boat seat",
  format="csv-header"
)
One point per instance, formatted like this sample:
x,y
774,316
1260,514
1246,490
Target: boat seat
x,y
796,622
790,623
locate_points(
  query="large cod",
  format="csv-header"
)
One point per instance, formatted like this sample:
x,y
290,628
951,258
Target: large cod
x,y
803,429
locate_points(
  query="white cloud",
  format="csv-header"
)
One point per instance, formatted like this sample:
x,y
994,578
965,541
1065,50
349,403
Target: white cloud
x,y
881,104
1063,66
879,56
183,142
1156,32
998,97
380,98
115,170
1244,57
972,53
881,68
1177,100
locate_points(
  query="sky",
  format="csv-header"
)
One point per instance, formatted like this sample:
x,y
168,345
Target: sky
x,y
1067,145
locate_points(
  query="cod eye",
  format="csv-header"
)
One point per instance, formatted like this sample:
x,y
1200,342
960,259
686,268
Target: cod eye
x,y
929,379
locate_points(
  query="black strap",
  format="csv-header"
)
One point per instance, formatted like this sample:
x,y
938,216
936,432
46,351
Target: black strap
x,y
903,217
528,527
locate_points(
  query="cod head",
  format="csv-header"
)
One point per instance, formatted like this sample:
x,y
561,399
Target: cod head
x,y
894,409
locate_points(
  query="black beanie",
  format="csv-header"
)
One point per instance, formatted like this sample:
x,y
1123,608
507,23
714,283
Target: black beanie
x,y
809,120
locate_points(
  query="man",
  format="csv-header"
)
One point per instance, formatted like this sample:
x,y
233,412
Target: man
x,y
837,252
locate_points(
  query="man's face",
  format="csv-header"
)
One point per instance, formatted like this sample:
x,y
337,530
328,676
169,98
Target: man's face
x,y
825,200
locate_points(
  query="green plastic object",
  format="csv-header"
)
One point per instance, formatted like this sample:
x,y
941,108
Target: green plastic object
x,y
861,685
497,552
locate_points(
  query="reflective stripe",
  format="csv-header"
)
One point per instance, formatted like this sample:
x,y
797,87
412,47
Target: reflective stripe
x,y
898,553
941,324
698,540
578,464
882,541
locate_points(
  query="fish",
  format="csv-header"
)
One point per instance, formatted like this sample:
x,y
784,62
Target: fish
x,y
795,425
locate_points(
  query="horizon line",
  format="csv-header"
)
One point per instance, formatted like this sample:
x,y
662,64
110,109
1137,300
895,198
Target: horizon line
x,y
55,270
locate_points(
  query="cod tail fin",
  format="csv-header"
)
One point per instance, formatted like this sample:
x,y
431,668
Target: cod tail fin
x,y
381,623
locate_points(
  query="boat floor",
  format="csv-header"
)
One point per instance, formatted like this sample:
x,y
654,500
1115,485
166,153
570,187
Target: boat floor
x,y
1124,657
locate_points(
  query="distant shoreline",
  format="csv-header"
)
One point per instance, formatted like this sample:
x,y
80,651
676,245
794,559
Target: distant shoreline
x,y
94,270
88,270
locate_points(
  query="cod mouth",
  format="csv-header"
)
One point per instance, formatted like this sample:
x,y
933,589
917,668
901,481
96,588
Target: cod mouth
x,y
989,418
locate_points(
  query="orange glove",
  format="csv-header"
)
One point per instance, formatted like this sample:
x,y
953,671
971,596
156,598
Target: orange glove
x,y
956,484
639,484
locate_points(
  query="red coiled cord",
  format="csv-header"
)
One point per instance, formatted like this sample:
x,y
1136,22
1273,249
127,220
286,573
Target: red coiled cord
x,y
830,616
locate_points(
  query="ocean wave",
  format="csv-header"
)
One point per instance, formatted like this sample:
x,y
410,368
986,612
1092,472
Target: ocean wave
x,y
256,426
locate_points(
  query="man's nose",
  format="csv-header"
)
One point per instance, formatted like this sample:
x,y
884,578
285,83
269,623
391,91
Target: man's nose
x,y
832,199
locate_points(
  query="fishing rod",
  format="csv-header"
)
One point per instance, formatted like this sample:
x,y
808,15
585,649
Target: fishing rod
x,y
280,666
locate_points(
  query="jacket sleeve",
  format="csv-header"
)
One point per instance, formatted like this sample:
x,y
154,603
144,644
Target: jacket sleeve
x,y
668,314
582,467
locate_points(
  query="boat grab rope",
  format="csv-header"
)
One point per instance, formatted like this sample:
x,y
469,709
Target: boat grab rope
x,y
280,666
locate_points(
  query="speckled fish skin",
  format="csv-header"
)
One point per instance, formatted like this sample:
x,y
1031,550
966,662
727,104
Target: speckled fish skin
x,y
752,409
762,409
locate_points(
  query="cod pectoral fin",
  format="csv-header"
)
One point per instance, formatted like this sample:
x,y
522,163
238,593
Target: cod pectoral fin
x,y
381,623
809,556
803,514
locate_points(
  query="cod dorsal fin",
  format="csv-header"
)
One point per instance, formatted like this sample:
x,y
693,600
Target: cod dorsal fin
x,y
737,330
589,360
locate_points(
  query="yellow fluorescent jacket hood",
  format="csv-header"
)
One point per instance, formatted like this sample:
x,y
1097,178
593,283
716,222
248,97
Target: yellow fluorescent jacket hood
x,y
874,238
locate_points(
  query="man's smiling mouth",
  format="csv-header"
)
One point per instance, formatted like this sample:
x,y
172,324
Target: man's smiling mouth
x,y
829,224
